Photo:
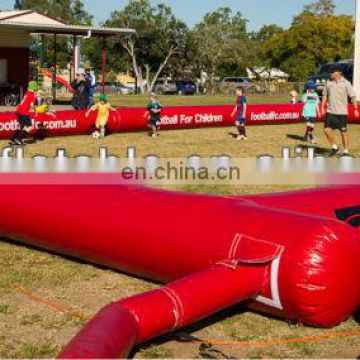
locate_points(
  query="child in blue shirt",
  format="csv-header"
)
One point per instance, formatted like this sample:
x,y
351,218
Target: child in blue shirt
x,y
240,110
310,112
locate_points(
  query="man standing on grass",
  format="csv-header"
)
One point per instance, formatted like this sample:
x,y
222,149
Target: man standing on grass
x,y
90,79
335,95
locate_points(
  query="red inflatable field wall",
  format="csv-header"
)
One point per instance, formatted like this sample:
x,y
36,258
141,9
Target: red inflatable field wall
x,y
127,119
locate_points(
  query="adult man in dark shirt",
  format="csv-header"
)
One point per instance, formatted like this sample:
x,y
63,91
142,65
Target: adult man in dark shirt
x,y
81,85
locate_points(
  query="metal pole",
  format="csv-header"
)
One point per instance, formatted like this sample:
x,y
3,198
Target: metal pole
x,y
357,52
42,51
55,66
74,58
103,65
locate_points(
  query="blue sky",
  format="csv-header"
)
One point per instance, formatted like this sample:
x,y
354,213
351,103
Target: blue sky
x,y
258,12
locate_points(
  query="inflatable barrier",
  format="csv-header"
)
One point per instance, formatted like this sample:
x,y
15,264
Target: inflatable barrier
x,y
64,123
293,255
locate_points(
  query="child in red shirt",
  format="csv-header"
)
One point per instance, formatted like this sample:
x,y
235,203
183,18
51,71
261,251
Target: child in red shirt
x,y
23,115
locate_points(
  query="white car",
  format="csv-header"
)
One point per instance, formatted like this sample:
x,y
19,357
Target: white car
x,y
164,86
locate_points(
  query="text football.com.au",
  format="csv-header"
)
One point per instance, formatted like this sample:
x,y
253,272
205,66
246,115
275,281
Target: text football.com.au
x,y
294,167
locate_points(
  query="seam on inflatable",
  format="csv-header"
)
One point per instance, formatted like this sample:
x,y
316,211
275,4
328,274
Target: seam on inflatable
x,y
178,306
261,260
181,308
234,246
132,312
230,264
275,300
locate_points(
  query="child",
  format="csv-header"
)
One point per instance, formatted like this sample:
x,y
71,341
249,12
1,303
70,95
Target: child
x,y
23,115
154,108
42,104
240,109
102,119
311,109
293,97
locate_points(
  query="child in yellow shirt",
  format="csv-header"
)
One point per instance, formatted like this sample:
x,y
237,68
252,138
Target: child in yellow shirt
x,y
103,108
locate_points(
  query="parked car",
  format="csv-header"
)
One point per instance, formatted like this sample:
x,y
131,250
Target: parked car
x,y
232,82
114,88
165,86
124,90
323,74
185,87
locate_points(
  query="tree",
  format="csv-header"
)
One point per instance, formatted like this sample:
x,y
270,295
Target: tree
x,y
314,38
68,11
160,36
267,32
321,7
223,43
72,11
78,13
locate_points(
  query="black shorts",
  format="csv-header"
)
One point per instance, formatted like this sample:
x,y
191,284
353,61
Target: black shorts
x,y
155,121
24,120
336,122
309,119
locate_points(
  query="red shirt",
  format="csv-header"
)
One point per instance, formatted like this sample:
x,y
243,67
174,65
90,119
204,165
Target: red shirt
x,y
27,102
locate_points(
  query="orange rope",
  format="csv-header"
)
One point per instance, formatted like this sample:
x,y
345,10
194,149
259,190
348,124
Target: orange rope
x,y
49,304
255,343
259,343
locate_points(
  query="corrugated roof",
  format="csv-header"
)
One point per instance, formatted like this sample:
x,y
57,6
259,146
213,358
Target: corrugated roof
x,y
37,23
65,29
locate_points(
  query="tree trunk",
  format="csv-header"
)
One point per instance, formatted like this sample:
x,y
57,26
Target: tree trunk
x,y
171,52
211,73
129,46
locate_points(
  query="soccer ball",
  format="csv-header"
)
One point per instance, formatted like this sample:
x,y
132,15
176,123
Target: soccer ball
x,y
96,135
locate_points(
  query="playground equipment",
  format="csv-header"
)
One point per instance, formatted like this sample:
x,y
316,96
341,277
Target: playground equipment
x,y
293,255
58,78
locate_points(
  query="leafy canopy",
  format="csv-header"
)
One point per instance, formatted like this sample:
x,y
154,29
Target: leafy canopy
x,y
314,38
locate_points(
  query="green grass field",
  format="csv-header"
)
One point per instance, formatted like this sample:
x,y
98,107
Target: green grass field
x,y
28,329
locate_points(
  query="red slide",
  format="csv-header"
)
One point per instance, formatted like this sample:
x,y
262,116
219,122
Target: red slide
x,y
59,79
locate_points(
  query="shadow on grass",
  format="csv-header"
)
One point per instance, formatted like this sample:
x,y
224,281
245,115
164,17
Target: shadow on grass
x,y
71,258
233,135
356,316
318,150
32,141
295,137
184,335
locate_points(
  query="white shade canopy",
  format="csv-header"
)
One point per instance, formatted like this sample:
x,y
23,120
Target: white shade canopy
x,y
34,22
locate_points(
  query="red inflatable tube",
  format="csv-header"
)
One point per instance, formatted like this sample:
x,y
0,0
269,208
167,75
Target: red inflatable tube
x,y
304,267
329,202
64,123
160,311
